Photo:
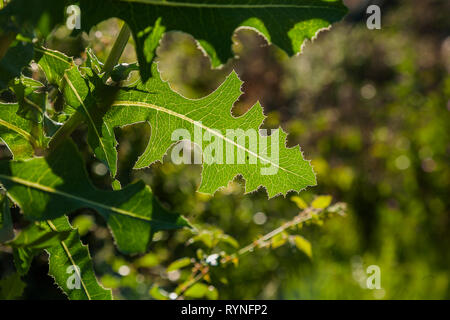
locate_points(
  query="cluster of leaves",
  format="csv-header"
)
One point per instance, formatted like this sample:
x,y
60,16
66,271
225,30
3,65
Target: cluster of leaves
x,y
216,250
47,177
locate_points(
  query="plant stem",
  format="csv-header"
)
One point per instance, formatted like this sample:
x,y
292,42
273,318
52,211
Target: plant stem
x,y
76,119
66,130
117,49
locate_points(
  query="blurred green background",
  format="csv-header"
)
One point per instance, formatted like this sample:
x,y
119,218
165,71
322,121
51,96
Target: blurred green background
x,y
370,108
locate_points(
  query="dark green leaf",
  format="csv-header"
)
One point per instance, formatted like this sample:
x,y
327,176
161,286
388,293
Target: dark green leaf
x,y
6,225
11,287
47,188
70,264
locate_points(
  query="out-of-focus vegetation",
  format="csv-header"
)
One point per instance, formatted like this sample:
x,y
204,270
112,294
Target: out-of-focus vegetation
x,y
371,108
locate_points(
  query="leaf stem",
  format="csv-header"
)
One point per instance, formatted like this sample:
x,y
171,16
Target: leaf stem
x,y
117,49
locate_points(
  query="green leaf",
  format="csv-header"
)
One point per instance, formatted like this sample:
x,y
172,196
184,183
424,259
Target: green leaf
x,y
22,136
6,225
179,264
213,26
38,237
201,290
47,188
157,293
71,266
206,237
78,95
278,240
229,240
299,202
83,223
54,64
167,111
286,23
11,287
147,261
321,202
30,97
303,245
23,258
11,65
25,15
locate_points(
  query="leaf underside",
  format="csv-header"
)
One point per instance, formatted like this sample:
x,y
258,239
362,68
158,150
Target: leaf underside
x,y
166,111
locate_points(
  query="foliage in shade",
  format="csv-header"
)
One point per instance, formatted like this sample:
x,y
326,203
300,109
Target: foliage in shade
x,y
11,287
47,180
47,188
284,23
21,135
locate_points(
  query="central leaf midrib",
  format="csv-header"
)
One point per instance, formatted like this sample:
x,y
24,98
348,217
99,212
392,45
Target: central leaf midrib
x,y
194,122
69,255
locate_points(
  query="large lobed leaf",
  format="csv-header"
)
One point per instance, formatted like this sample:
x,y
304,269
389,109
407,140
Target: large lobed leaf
x,y
285,23
70,258
47,188
166,111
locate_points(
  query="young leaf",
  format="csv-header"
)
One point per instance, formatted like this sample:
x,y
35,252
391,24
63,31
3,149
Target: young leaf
x,y
201,290
43,15
22,136
321,202
284,23
167,112
303,245
79,96
178,264
71,266
157,293
47,188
